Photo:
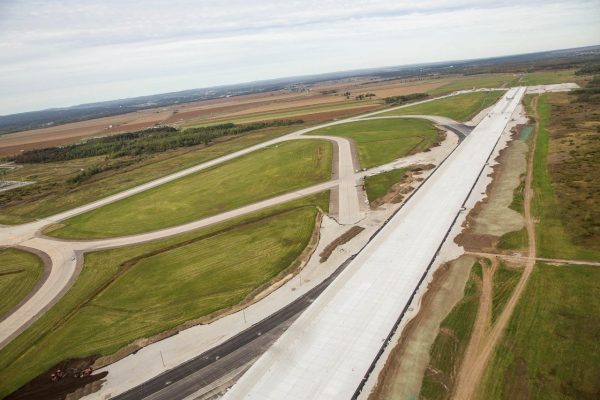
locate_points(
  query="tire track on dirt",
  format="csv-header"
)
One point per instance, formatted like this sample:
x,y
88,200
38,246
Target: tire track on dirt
x,y
472,369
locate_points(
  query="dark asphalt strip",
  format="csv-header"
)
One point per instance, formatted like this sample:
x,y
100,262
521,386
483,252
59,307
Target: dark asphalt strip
x,y
215,364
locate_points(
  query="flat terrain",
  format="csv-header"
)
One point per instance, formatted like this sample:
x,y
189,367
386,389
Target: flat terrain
x,y
318,103
460,108
361,308
503,283
566,178
497,80
262,174
385,140
550,349
139,291
53,193
323,98
19,273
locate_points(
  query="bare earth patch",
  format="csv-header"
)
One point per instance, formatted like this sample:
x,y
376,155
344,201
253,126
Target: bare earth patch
x,y
403,373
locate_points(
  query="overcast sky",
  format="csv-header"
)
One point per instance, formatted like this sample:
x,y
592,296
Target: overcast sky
x,y
60,53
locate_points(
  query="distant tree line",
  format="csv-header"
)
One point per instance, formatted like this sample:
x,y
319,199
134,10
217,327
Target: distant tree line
x,y
590,93
147,141
364,96
588,69
399,100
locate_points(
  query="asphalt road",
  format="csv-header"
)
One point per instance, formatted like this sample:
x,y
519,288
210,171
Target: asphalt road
x,y
219,361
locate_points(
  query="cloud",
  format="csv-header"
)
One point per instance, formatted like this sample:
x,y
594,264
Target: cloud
x,y
68,52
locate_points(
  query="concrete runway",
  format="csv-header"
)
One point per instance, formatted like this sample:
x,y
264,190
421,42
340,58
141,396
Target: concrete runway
x,y
66,256
329,351
190,377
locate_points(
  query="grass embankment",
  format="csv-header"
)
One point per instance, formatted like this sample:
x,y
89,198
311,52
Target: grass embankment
x,y
379,185
139,291
550,349
503,283
462,107
451,342
52,193
257,176
385,140
19,273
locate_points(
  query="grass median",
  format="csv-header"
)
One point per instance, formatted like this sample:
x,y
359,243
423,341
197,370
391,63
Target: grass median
x,y
19,273
52,193
138,291
257,176
384,140
461,107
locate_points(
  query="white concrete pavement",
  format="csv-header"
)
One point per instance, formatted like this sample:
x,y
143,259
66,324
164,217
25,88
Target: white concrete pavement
x,y
66,255
328,351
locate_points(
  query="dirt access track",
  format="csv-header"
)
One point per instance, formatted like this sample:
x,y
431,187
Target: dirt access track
x,y
485,337
207,110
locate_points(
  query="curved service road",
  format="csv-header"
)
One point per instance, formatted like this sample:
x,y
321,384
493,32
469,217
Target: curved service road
x,y
66,256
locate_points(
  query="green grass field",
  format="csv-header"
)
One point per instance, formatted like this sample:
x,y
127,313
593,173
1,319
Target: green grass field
x,y
378,185
19,272
451,342
51,194
504,281
462,107
138,291
546,78
257,176
515,240
551,349
385,140
553,239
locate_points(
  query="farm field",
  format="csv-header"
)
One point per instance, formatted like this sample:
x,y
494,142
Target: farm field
x,y
385,140
129,293
299,112
257,176
313,105
559,311
462,107
52,192
19,273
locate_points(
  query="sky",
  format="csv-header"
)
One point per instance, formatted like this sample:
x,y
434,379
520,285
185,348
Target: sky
x,y
61,53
